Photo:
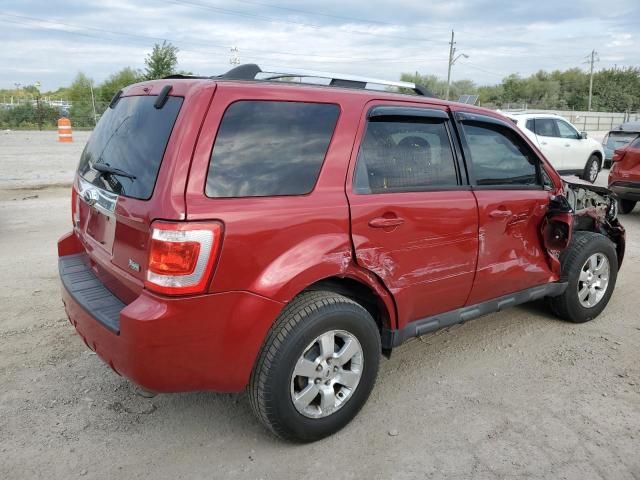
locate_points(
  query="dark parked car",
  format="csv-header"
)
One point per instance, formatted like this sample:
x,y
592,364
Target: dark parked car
x,y
233,233
618,138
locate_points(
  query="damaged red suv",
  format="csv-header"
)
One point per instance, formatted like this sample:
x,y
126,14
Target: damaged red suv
x,y
241,232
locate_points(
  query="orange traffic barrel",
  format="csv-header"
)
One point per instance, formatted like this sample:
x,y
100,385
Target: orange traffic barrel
x,y
64,130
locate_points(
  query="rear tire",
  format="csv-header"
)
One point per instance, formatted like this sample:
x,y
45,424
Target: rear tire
x,y
316,368
626,206
591,169
590,268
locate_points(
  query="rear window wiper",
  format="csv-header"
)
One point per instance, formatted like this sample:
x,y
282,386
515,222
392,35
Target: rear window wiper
x,y
105,168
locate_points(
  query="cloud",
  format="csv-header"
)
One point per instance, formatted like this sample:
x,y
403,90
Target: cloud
x,y
375,38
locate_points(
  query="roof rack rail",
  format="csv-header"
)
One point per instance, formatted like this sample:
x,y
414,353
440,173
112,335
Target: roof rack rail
x,y
250,71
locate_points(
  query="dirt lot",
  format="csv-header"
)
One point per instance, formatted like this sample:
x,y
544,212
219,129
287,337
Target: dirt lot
x,y
517,393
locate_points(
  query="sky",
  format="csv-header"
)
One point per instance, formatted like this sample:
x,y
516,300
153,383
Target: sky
x,y
50,42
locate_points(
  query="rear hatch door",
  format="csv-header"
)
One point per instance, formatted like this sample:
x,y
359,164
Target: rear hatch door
x,y
132,171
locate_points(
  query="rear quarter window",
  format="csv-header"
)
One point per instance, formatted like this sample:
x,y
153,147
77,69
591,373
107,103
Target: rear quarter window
x,y
268,148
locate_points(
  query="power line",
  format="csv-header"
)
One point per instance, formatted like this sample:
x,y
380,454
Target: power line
x,y
309,12
226,11
207,44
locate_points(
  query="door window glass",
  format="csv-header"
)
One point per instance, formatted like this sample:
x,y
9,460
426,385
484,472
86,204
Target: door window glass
x,y
403,154
566,130
546,127
499,156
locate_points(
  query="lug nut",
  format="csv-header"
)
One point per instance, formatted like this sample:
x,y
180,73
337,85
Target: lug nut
x,y
319,368
335,369
317,381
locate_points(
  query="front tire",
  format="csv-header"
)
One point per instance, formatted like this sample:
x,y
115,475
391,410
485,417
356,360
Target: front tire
x,y
316,368
590,268
591,169
626,206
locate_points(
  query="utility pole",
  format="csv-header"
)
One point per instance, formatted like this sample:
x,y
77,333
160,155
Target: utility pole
x,y
594,58
93,103
452,60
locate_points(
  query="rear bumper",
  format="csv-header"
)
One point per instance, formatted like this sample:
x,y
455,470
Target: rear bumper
x,y
626,190
206,342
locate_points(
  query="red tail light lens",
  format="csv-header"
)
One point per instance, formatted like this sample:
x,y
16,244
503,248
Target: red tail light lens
x,y
618,154
173,258
181,256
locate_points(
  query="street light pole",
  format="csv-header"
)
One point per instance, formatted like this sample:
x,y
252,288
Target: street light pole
x,y
452,60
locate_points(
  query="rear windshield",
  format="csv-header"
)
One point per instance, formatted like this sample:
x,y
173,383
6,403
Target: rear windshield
x,y
620,139
266,148
130,137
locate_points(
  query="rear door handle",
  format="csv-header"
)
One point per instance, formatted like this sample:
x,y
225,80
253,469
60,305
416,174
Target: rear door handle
x,y
383,222
500,213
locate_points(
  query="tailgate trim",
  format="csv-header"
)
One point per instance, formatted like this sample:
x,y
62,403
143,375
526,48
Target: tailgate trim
x,y
89,292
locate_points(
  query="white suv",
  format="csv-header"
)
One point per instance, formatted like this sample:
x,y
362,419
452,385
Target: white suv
x,y
568,150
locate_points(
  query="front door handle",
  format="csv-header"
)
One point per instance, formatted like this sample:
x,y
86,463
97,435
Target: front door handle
x,y
383,222
500,213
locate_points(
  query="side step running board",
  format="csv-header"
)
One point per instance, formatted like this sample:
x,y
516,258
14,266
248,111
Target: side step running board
x,y
393,338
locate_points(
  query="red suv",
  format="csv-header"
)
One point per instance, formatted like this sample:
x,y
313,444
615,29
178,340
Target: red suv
x,y
243,232
624,176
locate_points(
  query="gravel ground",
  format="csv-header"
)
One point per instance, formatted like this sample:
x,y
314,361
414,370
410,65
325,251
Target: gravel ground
x,y
517,393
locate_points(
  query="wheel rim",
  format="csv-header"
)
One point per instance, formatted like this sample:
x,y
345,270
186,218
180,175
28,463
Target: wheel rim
x,y
593,280
327,374
593,171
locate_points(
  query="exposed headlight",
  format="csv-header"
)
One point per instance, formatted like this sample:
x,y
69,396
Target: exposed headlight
x,y
612,211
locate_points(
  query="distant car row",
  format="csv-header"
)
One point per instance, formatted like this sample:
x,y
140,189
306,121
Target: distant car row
x,y
572,152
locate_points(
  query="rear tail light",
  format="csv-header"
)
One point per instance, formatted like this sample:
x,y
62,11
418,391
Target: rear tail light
x,y
181,256
618,154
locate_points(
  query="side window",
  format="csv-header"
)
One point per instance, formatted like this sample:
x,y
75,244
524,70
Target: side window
x,y
404,154
266,148
499,157
566,130
531,125
546,127
635,144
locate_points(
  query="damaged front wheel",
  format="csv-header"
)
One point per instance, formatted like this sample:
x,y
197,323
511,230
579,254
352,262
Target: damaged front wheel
x,y
590,267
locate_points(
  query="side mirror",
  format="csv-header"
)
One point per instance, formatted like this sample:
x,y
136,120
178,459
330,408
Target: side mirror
x,y
583,135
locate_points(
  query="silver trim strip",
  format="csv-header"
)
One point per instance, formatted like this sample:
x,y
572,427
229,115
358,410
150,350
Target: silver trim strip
x,y
105,201
299,72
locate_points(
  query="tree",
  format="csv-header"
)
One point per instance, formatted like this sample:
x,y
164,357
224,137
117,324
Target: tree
x,y
162,61
81,112
115,82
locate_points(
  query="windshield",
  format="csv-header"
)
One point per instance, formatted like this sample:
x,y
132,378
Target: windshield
x,y
130,140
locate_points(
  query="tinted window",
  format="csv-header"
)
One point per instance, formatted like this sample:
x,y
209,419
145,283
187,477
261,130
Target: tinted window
x,y
400,154
635,143
131,137
531,124
566,130
270,148
499,156
546,127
